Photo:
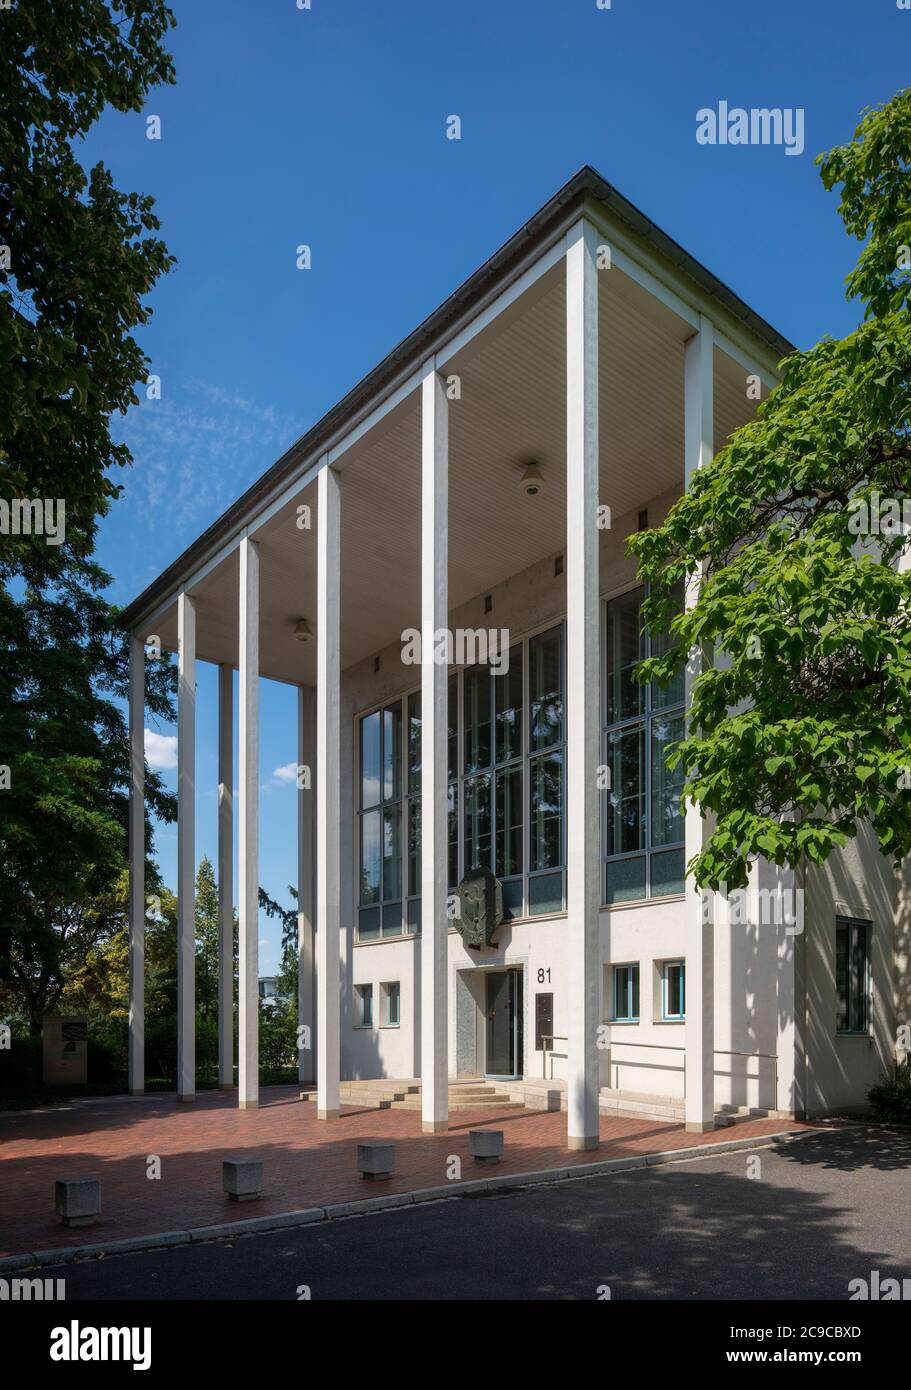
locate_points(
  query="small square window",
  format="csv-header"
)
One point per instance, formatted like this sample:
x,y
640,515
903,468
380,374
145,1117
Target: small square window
x,y
363,995
626,993
673,990
391,995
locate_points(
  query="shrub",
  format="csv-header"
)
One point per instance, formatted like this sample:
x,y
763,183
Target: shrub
x,y
891,1097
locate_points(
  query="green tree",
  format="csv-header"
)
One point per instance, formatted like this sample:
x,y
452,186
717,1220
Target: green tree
x,y
63,831
206,940
80,254
78,258
804,731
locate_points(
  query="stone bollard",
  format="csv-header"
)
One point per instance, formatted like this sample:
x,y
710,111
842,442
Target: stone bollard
x,y
242,1178
486,1145
77,1201
375,1162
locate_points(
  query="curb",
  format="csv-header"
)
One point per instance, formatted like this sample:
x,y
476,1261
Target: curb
x,y
471,1188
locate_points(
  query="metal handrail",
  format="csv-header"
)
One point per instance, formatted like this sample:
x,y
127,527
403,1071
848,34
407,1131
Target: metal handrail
x,y
716,1052
554,1037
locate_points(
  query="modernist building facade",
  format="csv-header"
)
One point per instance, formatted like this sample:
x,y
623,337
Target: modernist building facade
x,y
476,491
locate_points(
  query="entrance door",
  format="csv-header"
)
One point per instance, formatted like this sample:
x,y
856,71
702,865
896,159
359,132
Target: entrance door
x,y
503,1022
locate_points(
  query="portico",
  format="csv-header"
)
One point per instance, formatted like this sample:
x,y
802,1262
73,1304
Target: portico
x,y
593,347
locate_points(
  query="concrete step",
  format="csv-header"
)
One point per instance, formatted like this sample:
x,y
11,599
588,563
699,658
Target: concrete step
x,y
492,1103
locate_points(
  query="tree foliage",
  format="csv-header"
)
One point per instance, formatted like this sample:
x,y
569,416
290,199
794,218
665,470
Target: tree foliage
x,y
800,728
82,255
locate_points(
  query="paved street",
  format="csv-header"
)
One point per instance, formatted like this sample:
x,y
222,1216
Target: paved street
x,y
823,1210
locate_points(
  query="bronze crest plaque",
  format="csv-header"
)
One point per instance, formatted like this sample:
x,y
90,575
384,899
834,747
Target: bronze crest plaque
x,y
481,903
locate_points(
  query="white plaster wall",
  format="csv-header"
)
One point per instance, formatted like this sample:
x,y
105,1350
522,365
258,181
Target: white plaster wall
x,y
856,882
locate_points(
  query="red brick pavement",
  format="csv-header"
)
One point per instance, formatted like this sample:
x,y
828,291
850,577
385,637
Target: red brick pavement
x,y
307,1162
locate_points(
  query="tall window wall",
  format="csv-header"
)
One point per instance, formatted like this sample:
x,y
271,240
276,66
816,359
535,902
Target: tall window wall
x,y
506,771
642,818
506,763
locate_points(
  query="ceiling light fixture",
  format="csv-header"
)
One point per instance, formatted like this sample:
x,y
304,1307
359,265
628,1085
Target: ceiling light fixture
x,y
532,480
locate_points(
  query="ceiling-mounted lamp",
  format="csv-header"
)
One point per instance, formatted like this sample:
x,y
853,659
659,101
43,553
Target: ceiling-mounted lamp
x,y
302,630
532,480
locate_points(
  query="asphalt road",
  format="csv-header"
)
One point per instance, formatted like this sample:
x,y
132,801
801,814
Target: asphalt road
x,y
820,1212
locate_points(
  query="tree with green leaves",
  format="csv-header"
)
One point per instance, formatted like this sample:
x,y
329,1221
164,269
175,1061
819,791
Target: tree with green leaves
x,y
80,256
207,932
77,258
803,731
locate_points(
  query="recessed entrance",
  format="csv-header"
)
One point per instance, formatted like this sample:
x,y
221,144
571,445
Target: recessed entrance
x,y
504,1023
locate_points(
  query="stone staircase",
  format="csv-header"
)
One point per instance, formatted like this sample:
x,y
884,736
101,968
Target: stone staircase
x,y
638,1105
475,1093
394,1094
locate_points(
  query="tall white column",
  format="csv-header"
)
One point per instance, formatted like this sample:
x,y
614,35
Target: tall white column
x,y
306,755
225,877
328,857
248,832
583,681
137,852
434,743
788,1031
186,848
699,1031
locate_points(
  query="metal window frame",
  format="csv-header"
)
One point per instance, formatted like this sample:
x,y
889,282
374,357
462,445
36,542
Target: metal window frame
x,y
523,759
402,802
667,1017
628,1016
867,924
644,721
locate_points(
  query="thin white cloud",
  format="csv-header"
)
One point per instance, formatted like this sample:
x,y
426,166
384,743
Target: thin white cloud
x,y
288,773
161,749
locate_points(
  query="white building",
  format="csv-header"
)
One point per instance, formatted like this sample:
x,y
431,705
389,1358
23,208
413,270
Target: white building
x,y
594,348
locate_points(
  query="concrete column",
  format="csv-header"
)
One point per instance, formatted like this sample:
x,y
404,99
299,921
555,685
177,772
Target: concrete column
x,y
137,852
186,848
248,832
225,878
306,756
700,933
434,736
328,855
789,929
583,683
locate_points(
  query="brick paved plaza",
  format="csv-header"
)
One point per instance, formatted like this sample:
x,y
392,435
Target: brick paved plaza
x,y
307,1162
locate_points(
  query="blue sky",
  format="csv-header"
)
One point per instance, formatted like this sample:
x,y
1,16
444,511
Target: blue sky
x,y
327,127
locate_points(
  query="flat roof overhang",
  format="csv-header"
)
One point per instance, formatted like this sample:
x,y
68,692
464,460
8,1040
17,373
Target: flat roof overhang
x,y
587,192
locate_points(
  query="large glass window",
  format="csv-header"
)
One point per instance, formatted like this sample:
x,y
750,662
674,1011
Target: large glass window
x,y
493,770
380,816
505,760
643,817
852,975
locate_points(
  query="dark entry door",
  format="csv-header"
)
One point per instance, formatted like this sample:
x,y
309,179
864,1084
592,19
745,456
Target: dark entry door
x,y
502,1023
